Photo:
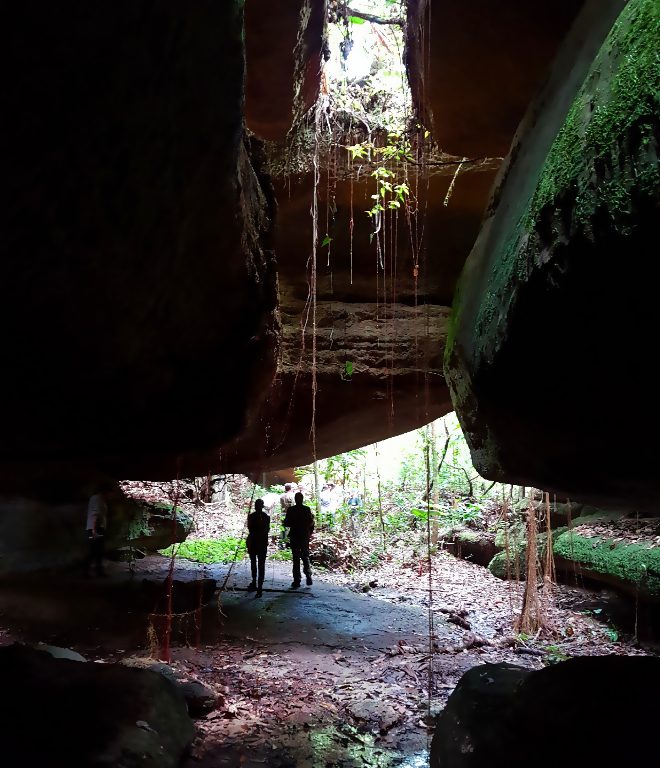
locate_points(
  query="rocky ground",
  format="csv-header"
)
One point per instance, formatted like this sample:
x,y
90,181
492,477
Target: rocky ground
x,y
349,672
336,674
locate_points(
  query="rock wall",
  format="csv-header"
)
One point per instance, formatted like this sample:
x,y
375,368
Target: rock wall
x,y
137,261
554,319
35,535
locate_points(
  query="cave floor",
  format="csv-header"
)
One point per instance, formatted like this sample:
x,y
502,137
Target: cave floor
x,y
326,675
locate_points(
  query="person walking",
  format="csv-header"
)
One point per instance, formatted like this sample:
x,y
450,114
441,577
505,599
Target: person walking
x,y
300,522
257,545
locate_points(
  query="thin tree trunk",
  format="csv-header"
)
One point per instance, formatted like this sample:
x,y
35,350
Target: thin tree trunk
x,y
317,492
380,499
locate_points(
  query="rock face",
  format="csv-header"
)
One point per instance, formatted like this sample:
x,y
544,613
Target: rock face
x,y
497,715
136,242
555,312
35,535
59,712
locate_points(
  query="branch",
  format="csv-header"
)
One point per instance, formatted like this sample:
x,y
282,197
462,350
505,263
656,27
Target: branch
x,y
375,19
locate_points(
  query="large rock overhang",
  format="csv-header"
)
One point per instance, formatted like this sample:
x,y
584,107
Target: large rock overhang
x,y
555,316
138,316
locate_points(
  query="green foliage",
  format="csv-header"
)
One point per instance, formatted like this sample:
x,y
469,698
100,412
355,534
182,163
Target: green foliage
x,y
554,655
280,555
208,550
347,373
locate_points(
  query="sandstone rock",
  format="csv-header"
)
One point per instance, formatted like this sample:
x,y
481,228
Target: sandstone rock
x,y
137,254
199,697
35,535
59,653
570,239
106,715
497,715
477,546
472,722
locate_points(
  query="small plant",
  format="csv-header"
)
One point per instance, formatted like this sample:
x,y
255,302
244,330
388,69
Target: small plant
x,y
209,551
391,193
554,654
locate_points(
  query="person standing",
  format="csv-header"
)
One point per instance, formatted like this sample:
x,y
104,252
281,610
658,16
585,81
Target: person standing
x,y
354,509
300,522
257,545
286,501
97,520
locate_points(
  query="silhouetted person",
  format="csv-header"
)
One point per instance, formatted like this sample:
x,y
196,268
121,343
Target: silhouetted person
x,y
257,545
300,522
97,521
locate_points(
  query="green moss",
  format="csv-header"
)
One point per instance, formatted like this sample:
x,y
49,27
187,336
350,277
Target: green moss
x,y
498,565
209,551
517,549
468,536
590,158
635,564
606,107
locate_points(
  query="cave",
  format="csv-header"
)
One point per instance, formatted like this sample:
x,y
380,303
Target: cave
x,y
227,253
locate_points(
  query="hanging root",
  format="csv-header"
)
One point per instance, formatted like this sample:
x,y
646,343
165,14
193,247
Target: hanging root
x,y
532,616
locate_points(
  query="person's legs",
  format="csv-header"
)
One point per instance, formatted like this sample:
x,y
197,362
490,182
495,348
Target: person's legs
x,y
295,554
262,571
253,567
96,550
304,554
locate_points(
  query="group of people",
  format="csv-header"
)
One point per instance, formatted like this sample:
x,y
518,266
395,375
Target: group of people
x,y
298,519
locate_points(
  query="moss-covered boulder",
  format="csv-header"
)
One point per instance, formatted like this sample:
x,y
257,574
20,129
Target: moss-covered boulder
x,y
557,310
510,562
476,546
633,568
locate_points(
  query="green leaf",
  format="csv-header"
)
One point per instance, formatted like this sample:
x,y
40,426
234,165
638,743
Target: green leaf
x,y
356,20
326,241
348,368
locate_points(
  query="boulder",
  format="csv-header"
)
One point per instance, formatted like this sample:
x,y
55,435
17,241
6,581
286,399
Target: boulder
x,y
555,312
477,546
58,712
59,653
199,697
474,718
630,568
36,535
137,251
498,714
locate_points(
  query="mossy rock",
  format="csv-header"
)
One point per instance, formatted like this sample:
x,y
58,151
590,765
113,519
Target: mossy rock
x,y
631,567
476,546
498,565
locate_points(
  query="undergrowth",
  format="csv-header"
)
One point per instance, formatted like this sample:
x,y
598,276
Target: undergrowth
x,y
209,551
